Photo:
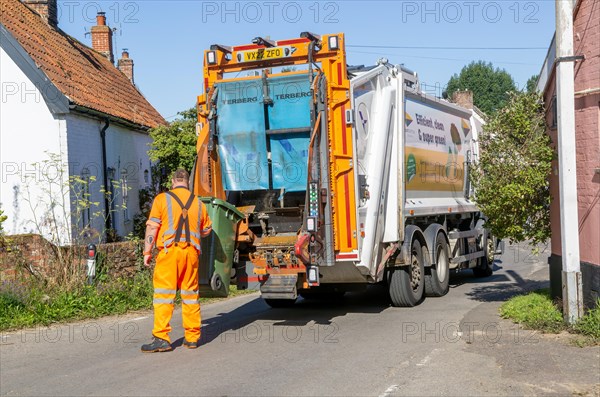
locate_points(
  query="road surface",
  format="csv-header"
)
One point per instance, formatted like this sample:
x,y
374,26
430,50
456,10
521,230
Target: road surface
x,y
360,346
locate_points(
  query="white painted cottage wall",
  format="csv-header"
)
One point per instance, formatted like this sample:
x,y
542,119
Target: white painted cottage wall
x,y
85,151
28,131
35,120
126,150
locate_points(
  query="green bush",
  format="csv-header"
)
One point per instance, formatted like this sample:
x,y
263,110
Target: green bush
x,y
2,219
174,146
511,175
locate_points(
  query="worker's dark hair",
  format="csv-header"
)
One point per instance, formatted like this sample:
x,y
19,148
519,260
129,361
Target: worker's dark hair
x,y
181,175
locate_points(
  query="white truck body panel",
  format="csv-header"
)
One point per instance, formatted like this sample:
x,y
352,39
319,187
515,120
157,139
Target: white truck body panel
x,y
411,151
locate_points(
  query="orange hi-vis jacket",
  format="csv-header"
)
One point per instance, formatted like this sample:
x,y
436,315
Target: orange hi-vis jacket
x,y
167,210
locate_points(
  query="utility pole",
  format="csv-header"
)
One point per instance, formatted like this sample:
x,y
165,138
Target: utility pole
x,y
567,166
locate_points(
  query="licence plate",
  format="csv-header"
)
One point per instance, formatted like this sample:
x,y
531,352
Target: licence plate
x,y
262,54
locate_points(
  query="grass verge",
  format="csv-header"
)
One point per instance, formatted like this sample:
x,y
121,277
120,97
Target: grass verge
x,y
536,310
27,304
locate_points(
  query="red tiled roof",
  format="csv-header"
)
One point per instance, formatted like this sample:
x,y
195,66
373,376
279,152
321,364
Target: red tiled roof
x,y
85,76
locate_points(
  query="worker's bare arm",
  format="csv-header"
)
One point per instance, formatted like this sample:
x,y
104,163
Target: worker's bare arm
x,y
149,241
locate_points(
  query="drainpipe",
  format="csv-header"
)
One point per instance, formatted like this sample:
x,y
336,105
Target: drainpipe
x,y
107,214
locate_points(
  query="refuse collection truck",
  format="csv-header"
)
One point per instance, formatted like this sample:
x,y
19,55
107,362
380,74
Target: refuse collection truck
x,y
345,176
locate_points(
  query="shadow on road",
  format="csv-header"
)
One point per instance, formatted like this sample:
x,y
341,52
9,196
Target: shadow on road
x,y
502,292
498,287
322,312
374,299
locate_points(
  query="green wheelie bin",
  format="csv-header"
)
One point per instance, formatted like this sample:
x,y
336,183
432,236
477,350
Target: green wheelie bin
x,y
216,260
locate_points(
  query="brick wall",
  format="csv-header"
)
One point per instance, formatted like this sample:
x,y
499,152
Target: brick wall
x,y
32,253
122,259
586,40
586,28
25,251
587,131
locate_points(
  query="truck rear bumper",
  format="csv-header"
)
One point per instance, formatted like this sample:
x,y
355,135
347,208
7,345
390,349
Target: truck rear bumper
x,y
280,286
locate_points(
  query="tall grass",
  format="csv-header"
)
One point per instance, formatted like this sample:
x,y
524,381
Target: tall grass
x,y
590,323
29,303
536,310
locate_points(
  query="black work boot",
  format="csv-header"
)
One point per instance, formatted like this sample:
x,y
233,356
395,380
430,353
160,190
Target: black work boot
x,y
157,345
190,345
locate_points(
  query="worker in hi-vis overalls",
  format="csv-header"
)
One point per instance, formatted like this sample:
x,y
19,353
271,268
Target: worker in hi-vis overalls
x,y
177,220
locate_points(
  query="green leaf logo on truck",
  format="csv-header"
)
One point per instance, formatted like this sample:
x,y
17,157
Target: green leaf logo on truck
x,y
411,168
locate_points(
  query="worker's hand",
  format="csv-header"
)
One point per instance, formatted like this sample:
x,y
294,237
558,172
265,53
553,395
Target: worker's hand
x,y
147,259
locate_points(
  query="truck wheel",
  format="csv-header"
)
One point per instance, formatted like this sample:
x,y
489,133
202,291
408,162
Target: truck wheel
x,y
437,277
279,303
406,284
485,263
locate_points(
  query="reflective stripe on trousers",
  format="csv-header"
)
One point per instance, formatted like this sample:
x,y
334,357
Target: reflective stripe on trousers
x,y
163,295
189,297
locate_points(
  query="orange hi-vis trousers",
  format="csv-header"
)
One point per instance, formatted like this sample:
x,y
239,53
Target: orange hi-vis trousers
x,y
176,269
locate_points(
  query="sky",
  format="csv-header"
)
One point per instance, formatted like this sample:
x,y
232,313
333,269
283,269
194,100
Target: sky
x,y
167,38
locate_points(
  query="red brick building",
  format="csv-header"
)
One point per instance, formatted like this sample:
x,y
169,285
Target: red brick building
x,y
586,41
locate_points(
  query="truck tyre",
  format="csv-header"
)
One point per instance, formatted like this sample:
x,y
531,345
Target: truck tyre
x,y
485,263
437,277
406,283
279,303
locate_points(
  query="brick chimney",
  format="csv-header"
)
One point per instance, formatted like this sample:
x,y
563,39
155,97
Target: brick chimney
x,y
125,65
463,98
102,37
47,9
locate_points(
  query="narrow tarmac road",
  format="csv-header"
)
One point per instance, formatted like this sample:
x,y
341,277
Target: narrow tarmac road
x,y
360,346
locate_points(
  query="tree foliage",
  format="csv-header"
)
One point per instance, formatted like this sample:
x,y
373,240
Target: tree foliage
x,y
531,85
174,145
490,85
2,219
2,238
511,177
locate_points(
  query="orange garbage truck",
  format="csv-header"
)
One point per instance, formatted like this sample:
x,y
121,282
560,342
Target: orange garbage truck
x,y
342,176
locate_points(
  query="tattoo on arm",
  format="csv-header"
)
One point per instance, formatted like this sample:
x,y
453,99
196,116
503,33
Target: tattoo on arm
x,y
150,238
